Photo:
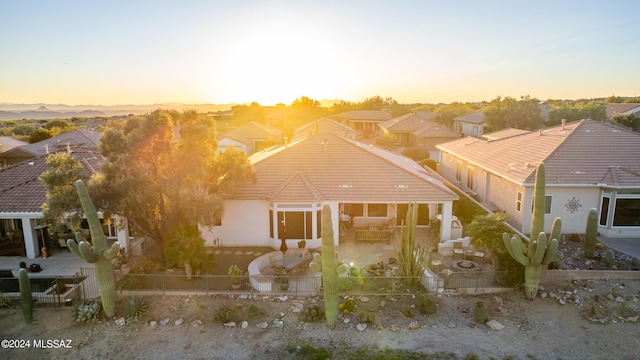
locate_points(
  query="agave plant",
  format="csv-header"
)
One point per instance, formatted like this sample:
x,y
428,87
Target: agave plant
x,y
135,306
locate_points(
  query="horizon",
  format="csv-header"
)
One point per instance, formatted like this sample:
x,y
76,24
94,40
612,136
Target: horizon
x,y
270,52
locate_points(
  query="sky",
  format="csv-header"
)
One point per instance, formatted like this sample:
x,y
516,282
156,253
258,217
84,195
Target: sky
x,y
220,52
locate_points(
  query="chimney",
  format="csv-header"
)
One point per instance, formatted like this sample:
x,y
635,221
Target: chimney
x,y
68,149
564,122
540,132
46,149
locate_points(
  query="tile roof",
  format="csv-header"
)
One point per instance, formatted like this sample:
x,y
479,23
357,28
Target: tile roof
x,y
613,108
323,124
436,130
20,189
584,152
473,118
366,115
253,131
325,166
504,133
79,137
8,143
405,123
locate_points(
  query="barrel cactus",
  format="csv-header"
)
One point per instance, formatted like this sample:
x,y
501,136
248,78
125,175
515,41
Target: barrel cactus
x,y
591,234
25,295
97,252
330,266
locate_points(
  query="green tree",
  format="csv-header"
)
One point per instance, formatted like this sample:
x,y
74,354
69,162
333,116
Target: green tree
x,y
572,111
162,171
62,124
243,114
39,135
22,129
508,112
629,120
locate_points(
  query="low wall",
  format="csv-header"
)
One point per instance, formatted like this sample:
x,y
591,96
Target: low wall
x,y
569,275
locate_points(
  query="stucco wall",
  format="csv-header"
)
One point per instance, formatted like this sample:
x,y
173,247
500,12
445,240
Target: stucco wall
x,y
244,223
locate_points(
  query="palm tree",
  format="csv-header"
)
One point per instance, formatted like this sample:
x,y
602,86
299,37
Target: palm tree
x,y
184,246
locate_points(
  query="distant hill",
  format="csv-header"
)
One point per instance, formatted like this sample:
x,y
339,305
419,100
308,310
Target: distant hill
x,y
10,111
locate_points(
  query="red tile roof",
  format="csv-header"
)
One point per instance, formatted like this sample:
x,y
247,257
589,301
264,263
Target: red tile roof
x,y
326,167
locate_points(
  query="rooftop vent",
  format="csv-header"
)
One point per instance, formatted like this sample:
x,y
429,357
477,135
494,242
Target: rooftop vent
x,y
402,186
344,186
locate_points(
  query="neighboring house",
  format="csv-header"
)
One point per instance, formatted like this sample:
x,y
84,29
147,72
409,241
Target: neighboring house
x,y
324,125
21,198
369,185
250,138
364,119
588,165
7,143
624,109
470,124
80,137
222,119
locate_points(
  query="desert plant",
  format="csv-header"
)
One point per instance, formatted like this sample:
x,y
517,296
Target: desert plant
x,y
26,299
5,302
86,312
368,317
330,266
311,313
407,312
235,274
412,258
608,258
591,234
426,305
135,306
224,314
185,247
539,250
348,306
574,238
97,251
480,313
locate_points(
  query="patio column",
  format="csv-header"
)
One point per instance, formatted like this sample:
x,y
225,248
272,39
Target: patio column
x,y
31,244
122,232
445,224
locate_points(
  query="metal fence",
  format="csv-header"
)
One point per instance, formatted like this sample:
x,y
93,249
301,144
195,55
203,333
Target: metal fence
x,y
44,290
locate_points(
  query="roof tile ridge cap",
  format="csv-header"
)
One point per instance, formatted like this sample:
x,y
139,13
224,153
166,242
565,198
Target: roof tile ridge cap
x,y
558,146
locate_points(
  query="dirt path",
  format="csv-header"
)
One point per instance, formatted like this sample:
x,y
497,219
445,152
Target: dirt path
x,y
539,329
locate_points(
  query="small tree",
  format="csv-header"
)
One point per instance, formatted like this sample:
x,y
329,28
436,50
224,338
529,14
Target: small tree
x,y
185,247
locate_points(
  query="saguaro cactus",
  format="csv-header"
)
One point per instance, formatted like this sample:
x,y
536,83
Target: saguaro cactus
x,y
591,234
25,295
533,256
411,256
330,266
97,252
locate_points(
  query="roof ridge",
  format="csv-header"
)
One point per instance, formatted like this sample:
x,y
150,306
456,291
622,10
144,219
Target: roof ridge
x,y
297,174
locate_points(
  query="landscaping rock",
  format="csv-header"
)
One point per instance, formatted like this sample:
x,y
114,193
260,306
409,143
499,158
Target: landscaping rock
x,y
121,321
494,325
361,327
164,322
230,324
179,322
245,324
153,323
278,323
414,325
262,325
196,323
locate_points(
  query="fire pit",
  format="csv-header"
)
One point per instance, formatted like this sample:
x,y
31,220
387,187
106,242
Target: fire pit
x,y
464,266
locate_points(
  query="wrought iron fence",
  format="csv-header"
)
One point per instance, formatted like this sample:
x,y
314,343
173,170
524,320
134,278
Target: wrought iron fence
x,y
44,290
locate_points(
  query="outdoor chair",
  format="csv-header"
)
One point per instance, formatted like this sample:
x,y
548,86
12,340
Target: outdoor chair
x,y
458,250
479,256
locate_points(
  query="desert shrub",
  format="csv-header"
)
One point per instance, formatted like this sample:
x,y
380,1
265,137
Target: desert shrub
x,y
312,313
255,313
575,238
345,284
480,313
86,311
368,317
387,141
426,305
309,352
407,312
5,302
348,306
430,163
135,306
416,153
224,314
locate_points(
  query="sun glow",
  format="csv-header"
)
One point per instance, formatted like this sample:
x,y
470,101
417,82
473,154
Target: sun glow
x,y
277,65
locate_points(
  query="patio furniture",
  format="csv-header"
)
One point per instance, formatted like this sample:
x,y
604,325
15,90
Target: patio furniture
x,y
458,249
479,255
373,235
436,265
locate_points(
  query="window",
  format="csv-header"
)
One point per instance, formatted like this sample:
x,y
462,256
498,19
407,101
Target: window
x,y
376,210
354,210
627,212
604,210
547,204
470,171
217,220
459,172
519,202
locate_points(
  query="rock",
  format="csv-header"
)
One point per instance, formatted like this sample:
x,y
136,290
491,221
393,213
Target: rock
x,y
414,325
245,324
121,321
243,296
262,325
498,300
494,325
283,298
610,297
561,301
179,322
451,325
196,323
543,295
153,323
364,299
346,320
230,324
620,299
164,322
361,327
394,328
278,323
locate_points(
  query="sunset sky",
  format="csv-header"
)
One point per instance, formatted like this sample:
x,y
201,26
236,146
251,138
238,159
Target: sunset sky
x,y
144,52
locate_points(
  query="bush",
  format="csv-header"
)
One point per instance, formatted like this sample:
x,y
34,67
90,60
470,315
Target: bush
x,y
430,163
387,141
426,305
312,313
224,314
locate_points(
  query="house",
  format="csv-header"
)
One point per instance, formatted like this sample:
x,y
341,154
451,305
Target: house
x,y
250,138
588,165
470,124
364,185
7,143
21,198
419,130
364,119
80,137
323,124
624,109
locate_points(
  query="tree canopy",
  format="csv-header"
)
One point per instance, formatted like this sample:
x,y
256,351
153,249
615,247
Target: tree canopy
x,y
578,110
508,112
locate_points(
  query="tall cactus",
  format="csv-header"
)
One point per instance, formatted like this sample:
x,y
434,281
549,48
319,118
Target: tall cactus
x,y
97,252
25,295
538,253
411,256
330,266
591,234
